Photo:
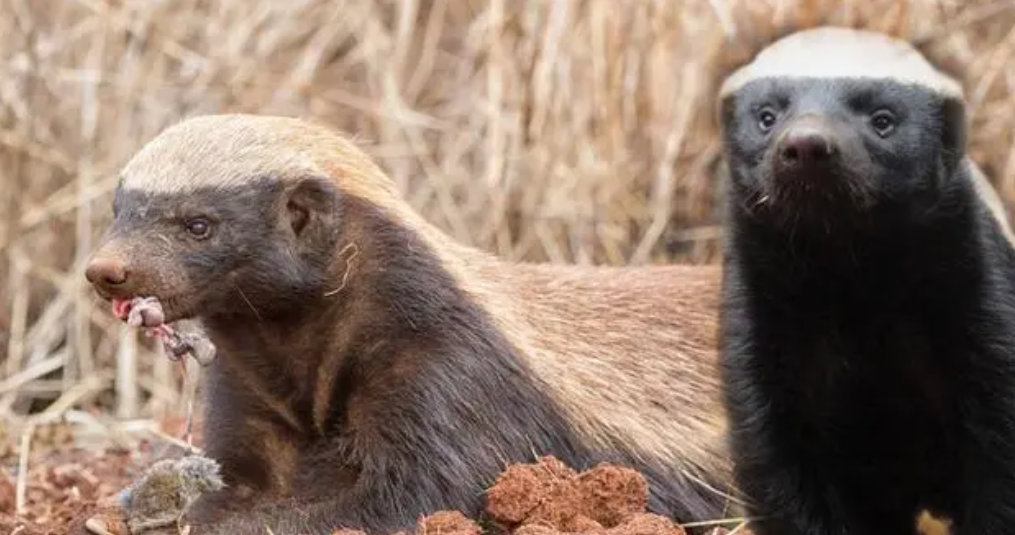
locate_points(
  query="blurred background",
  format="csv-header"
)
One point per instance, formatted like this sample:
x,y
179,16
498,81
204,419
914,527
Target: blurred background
x,y
565,131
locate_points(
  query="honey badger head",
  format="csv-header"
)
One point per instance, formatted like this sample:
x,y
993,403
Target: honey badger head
x,y
834,125
230,215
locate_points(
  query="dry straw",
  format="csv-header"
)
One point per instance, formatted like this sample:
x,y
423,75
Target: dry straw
x,y
567,131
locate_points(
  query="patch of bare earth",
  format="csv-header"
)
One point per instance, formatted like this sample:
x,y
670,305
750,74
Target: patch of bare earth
x,y
67,485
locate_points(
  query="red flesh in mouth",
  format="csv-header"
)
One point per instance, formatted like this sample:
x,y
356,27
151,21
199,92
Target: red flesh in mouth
x,y
121,307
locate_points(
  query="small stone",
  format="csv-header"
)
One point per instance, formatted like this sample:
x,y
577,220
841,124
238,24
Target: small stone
x,y
97,526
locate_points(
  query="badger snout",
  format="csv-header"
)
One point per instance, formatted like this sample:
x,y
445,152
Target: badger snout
x,y
109,275
807,146
115,274
124,268
816,167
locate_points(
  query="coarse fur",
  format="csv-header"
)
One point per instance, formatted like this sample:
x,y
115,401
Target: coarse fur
x,y
371,369
868,313
845,54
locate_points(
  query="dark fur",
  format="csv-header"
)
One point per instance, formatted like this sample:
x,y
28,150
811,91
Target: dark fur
x,y
429,403
868,320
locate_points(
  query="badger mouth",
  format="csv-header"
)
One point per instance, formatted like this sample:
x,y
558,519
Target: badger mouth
x,y
149,311
123,281
149,314
121,308
814,170
829,188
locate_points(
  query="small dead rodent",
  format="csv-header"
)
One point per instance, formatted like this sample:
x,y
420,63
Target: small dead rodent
x,y
166,490
147,312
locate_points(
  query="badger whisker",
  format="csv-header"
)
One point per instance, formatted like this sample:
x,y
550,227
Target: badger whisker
x,y
246,300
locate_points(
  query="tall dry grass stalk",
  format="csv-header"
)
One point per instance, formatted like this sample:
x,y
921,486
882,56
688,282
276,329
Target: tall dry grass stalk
x,y
567,131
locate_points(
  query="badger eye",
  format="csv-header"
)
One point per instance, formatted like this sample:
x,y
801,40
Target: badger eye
x,y
766,119
883,122
198,227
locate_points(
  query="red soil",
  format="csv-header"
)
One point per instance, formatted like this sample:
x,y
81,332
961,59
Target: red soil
x,y
63,485
66,486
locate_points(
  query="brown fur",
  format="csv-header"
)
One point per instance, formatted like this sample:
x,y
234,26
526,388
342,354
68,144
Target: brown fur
x,y
320,400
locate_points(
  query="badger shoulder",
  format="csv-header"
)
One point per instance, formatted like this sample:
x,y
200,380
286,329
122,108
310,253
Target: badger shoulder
x,y
630,353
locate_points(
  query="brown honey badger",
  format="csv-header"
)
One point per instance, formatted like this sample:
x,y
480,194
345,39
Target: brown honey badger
x,y
373,370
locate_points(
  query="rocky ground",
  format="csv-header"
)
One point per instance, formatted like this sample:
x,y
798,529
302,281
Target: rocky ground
x,y
66,484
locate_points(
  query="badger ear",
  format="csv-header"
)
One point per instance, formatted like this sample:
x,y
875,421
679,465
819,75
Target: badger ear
x,y
311,207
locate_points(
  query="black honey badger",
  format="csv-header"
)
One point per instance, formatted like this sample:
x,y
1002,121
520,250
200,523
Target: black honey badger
x,y
370,369
868,315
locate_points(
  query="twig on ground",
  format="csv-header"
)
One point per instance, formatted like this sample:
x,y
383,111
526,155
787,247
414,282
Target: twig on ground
x,y
21,487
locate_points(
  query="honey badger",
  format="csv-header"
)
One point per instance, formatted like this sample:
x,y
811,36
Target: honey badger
x,y
868,308
370,368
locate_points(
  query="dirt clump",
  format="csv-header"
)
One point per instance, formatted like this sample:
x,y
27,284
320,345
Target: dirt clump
x,y
636,524
612,493
439,523
531,492
447,523
548,498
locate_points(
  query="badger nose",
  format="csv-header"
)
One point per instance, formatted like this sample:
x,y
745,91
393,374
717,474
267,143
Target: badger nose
x,y
805,146
107,273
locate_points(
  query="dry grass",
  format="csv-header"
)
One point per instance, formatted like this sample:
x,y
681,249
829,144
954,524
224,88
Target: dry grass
x,y
570,131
